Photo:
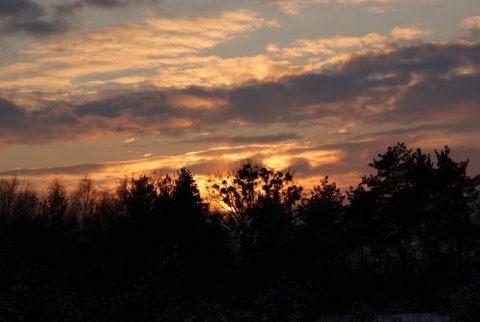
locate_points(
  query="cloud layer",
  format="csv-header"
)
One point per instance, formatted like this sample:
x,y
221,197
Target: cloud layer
x,y
156,89
425,82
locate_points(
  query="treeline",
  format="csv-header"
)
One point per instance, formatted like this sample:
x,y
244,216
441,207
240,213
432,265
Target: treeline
x,y
255,247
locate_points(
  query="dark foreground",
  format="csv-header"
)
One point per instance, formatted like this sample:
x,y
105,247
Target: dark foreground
x,y
255,248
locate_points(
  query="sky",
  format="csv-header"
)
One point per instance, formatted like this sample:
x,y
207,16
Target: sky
x,y
111,88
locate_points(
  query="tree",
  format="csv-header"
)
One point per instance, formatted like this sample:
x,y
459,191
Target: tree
x,y
17,198
18,205
83,199
451,213
187,212
419,216
138,197
400,189
259,204
324,207
54,206
82,205
318,235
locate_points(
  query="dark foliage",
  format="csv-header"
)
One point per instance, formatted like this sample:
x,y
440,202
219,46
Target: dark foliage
x,y
258,249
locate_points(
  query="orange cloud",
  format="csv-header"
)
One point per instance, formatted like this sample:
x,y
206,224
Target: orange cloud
x,y
202,163
328,46
293,7
195,102
470,23
408,33
216,71
100,56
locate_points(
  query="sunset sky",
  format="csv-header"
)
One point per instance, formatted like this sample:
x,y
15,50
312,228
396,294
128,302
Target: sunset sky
x,y
107,88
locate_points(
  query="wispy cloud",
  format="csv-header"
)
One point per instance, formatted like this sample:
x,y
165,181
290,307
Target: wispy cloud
x,y
408,33
150,50
225,139
203,163
328,46
470,28
338,45
293,7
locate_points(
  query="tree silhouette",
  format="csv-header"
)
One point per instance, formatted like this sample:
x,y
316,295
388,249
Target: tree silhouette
x,y
258,204
54,206
418,216
318,233
258,201
188,209
138,196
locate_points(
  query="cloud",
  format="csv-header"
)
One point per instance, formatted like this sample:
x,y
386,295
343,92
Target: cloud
x,y
379,9
378,1
162,52
168,53
344,162
107,3
19,7
382,6
470,23
366,1
214,71
334,47
293,7
328,46
408,33
264,139
39,19
70,8
29,17
426,84
203,163
10,113
470,28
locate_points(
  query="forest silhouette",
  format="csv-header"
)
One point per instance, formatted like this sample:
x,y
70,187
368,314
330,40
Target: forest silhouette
x,y
256,247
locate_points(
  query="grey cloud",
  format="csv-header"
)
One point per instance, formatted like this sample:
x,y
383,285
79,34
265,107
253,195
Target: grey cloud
x,y
38,19
38,28
286,101
19,7
245,139
105,3
417,130
119,3
142,103
10,113
71,8
374,78
437,94
29,17
79,169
